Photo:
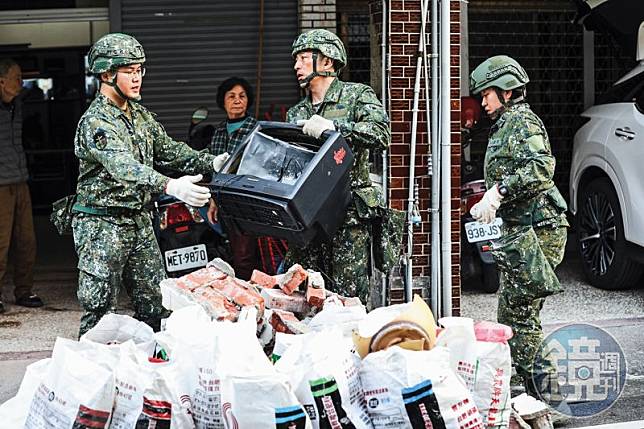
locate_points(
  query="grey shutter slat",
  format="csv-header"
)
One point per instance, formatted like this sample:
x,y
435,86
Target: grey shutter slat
x,y
192,47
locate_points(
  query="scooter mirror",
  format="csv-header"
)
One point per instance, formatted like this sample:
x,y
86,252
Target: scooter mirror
x,y
470,112
199,115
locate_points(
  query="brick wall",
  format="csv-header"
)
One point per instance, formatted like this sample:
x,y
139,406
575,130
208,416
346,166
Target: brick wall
x,y
317,14
405,27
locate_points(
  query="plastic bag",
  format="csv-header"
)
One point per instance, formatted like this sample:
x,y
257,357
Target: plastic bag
x,y
480,355
324,374
114,329
234,384
75,392
416,389
13,412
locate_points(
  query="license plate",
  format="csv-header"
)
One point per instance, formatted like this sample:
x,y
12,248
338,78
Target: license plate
x,y
478,231
186,258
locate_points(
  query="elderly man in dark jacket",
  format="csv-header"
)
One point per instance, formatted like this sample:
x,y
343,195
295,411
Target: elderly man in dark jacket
x,y
16,221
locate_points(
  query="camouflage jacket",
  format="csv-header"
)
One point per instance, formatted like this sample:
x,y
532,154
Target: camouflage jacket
x,y
519,156
358,115
224,142
117,156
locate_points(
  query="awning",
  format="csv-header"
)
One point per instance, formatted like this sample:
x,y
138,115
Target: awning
x,y
620,18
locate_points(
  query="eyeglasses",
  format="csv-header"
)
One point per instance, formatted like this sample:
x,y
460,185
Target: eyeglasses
x,y
132,73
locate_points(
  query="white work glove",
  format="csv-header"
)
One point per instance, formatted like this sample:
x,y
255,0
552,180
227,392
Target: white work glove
x,y
485,210
184,188
219,161
316,125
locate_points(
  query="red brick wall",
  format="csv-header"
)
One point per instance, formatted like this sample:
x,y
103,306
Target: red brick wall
x,y
405,27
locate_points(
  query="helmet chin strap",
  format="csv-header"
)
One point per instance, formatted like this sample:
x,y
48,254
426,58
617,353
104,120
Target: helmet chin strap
x,y
304,83
505,105
114,85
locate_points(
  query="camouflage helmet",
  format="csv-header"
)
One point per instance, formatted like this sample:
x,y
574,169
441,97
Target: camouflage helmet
x,y
114,50
500,71
324,41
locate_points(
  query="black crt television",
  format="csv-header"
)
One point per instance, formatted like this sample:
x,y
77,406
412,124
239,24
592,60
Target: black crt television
x,y
283,183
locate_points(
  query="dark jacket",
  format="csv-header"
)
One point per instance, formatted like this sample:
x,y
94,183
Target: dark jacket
x,y
13,162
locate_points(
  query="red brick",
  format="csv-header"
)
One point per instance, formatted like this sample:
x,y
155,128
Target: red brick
x,y
263,280
286,322
315,296
294,277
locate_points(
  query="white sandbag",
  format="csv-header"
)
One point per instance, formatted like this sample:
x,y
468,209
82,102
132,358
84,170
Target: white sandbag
x,y
492,386
167,399
333,315
218,352
459,338
262,402
13,412
324,374
131,380
75,392
480,355
118,328
416,389
282,343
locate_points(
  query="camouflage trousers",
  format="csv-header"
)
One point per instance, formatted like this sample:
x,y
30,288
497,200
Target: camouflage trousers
x,y
526,258
343,261
111,255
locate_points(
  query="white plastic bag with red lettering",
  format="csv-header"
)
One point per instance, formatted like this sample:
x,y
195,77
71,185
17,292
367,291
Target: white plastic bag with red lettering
x,y
480,355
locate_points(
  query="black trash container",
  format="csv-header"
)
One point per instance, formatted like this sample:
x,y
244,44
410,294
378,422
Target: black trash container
x,y
283,183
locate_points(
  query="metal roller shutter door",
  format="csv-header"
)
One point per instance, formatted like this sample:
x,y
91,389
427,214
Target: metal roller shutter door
x,y
191,47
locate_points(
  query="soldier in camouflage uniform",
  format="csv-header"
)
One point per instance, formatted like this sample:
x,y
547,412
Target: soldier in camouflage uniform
x,y
119,143
519,168
353,110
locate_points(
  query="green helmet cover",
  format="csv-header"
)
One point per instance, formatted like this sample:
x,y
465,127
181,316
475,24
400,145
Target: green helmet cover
x,y
323,41
115,50
500,71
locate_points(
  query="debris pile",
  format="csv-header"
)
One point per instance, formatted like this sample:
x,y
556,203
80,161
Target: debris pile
x,y
332,364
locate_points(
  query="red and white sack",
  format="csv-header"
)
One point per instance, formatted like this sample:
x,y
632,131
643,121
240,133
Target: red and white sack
x,y
167,401
416,389
76,392
480,355
324,374
492,387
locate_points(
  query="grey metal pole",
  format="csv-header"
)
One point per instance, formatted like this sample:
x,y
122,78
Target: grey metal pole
x,y
436,171
384,89
446,208
412,152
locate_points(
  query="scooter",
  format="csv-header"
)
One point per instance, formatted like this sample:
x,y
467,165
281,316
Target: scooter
x,y
186,239
476,259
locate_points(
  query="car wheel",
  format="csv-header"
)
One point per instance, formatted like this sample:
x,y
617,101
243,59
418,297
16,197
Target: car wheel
x,y
490,278
602,244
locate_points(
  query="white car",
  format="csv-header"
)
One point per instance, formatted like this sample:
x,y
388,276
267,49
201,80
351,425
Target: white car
x,y
607,183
